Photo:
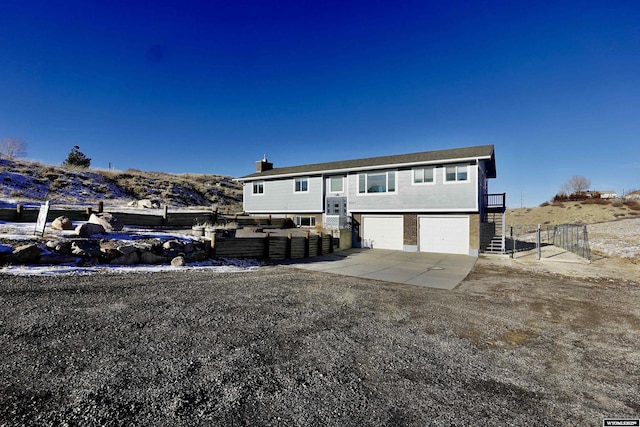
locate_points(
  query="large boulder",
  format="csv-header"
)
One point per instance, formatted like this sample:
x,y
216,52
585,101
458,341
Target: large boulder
x,y
54,259
128,259
89,229
150,258
26,254
86,248
107,221
62,223
178,261
109,249
145,203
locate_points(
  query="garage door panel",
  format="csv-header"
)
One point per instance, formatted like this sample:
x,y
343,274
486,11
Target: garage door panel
x,y
444,234
382,232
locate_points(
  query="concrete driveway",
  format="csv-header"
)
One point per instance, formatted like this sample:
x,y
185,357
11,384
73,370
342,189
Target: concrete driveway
x,y
433,270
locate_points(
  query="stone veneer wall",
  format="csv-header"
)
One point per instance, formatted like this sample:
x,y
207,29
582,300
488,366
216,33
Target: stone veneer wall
x,y
474,232
410,235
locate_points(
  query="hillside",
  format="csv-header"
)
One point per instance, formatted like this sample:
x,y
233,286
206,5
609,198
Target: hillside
x,y
585,212
32,182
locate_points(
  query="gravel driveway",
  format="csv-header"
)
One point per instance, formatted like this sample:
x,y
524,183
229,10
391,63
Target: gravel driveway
x,y
283,347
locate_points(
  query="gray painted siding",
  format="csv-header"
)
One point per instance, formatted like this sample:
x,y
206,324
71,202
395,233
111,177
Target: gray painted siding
x,y
279,196
439,196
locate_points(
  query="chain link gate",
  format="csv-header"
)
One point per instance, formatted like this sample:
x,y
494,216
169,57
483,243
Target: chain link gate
x,y
526,238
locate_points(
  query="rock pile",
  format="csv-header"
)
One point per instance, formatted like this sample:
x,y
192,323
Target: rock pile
x,y
104,251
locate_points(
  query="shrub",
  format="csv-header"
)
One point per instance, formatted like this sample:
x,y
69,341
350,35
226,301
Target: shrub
x,y
634,205
596,201
560,197
544,204
77,158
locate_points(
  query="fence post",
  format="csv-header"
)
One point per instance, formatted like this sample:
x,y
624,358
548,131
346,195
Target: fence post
x,y
100,206
19,210
538,243
287,253
212,249
215,215
88,212
513,244
165,214
266,246
306,245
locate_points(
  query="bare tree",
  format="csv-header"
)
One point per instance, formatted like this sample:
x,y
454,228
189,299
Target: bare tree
x,y
576,184
13,148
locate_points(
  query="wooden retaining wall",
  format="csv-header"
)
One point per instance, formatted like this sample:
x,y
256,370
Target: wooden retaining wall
x,y
166,218
272,247
268,247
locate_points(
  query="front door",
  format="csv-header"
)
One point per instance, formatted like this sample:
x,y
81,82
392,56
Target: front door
x,y
336,206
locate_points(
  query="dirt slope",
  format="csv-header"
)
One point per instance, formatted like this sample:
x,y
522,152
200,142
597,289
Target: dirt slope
x,y
585,212
31,182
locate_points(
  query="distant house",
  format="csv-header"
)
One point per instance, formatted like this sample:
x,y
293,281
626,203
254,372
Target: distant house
x,y
432,201
604,194
607,194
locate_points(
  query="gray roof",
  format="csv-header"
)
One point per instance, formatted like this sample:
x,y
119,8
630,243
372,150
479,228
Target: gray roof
x,y
485,152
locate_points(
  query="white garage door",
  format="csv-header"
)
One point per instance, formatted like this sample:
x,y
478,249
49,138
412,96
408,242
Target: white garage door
x,y
445,234
382,232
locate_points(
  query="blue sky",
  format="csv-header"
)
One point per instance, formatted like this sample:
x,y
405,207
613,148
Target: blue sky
x,y
210,86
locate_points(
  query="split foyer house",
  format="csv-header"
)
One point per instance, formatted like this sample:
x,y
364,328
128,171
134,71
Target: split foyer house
x,y
432,201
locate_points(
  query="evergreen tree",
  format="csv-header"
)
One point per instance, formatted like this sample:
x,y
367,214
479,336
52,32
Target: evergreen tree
x,y
77,158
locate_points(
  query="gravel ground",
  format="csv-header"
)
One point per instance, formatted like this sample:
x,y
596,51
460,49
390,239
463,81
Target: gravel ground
x,y
279,346
616,238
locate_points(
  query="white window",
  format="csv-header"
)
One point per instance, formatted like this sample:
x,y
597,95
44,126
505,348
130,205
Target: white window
x,y
423,175
258,187
305,221
336,184
456,173
301,185
377,182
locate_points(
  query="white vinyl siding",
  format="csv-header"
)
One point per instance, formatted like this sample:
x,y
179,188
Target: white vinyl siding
x,y
282,198
408,197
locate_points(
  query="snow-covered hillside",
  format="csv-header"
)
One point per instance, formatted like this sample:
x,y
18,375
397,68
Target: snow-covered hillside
x,y
30,182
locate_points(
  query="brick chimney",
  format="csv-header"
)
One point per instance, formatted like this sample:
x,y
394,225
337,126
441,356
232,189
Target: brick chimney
x,y
263,165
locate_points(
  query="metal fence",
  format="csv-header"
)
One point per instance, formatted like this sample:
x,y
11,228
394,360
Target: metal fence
x,y
525,239
572,237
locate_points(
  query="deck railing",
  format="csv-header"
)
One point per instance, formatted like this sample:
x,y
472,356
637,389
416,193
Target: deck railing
x,y
498,200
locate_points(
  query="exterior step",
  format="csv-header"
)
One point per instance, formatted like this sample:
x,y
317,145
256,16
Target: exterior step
x,y
495,247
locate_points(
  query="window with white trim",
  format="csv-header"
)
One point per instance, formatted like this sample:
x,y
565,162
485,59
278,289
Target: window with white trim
x,y
258,187
456,173
336,184
301,185
377,182
305,221
423,175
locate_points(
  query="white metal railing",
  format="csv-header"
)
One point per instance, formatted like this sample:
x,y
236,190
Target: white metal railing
x,y
336,222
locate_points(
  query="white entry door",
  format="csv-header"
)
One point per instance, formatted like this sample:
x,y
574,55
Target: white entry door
x,y
382,232
444,234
